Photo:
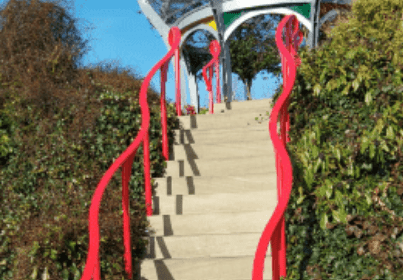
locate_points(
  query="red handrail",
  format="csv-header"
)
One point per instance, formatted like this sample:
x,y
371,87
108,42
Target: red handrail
x,y
92,268
215,50
274,231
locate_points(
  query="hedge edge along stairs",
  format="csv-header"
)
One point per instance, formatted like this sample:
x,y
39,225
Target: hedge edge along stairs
x,y
231,237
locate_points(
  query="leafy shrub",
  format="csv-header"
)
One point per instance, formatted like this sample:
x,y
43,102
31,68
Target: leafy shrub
x,y
190,110
61,127
203,111
345,213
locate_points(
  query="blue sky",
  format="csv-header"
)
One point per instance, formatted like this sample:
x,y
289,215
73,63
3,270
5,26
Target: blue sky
x,y
123,35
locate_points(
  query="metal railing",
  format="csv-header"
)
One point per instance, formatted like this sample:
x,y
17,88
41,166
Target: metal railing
x,y
215,50
92,267
274,231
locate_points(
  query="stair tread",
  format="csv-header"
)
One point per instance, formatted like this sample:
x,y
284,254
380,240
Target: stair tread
x,y
235,268
255,164
215,203
206,245
210,223
195,185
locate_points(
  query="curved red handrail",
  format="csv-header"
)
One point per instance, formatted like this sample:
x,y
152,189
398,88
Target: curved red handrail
x,y
274,230
92,268
215,50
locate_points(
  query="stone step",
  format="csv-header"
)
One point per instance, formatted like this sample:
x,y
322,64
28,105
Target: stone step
x,y
241,106
214,184
220,121
215,203
236,134
222,150
236,268
204,246
229,135
229,166
206,224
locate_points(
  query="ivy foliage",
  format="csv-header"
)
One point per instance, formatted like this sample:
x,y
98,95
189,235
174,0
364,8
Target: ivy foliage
x,y
60,131
345,214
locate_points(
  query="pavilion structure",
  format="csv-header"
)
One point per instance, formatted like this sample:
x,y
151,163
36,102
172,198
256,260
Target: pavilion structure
x,y
221,18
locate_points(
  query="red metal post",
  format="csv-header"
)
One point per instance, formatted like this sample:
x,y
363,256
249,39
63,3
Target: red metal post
x,y
147,176
215,50
217,75
165,151
126,171
211,94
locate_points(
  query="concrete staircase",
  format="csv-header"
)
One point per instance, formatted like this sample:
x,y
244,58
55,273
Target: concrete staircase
x,y
217,195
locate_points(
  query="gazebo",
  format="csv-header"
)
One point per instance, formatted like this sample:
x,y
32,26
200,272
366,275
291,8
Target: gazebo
x,y
221,18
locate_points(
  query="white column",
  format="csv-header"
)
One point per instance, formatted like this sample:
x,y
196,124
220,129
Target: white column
x,y
183,83
227,73
193,92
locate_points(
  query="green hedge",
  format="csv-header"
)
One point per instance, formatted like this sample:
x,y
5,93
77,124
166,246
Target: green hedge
x,y
346,130
64,244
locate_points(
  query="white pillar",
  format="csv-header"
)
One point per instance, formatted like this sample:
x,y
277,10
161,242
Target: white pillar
x,y
183,83
194,100
227,82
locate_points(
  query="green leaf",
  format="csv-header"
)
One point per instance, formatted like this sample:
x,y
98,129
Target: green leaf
x,y
390,133
371,151
72,245
304,159
368,198
356,85
323,221
301,191
346,89
34,274
357,172
46,253
368,98
322,76
117,266
332,84
329,189
366,166
338,155
316,89
364,144
351,53
380,125
359,76
384,146
317,134
339,216
339,199
315,151
300,199
53,254
342,71
318,163
308,177
34,249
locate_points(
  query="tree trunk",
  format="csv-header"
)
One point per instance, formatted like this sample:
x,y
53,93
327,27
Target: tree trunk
x,y
248,94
